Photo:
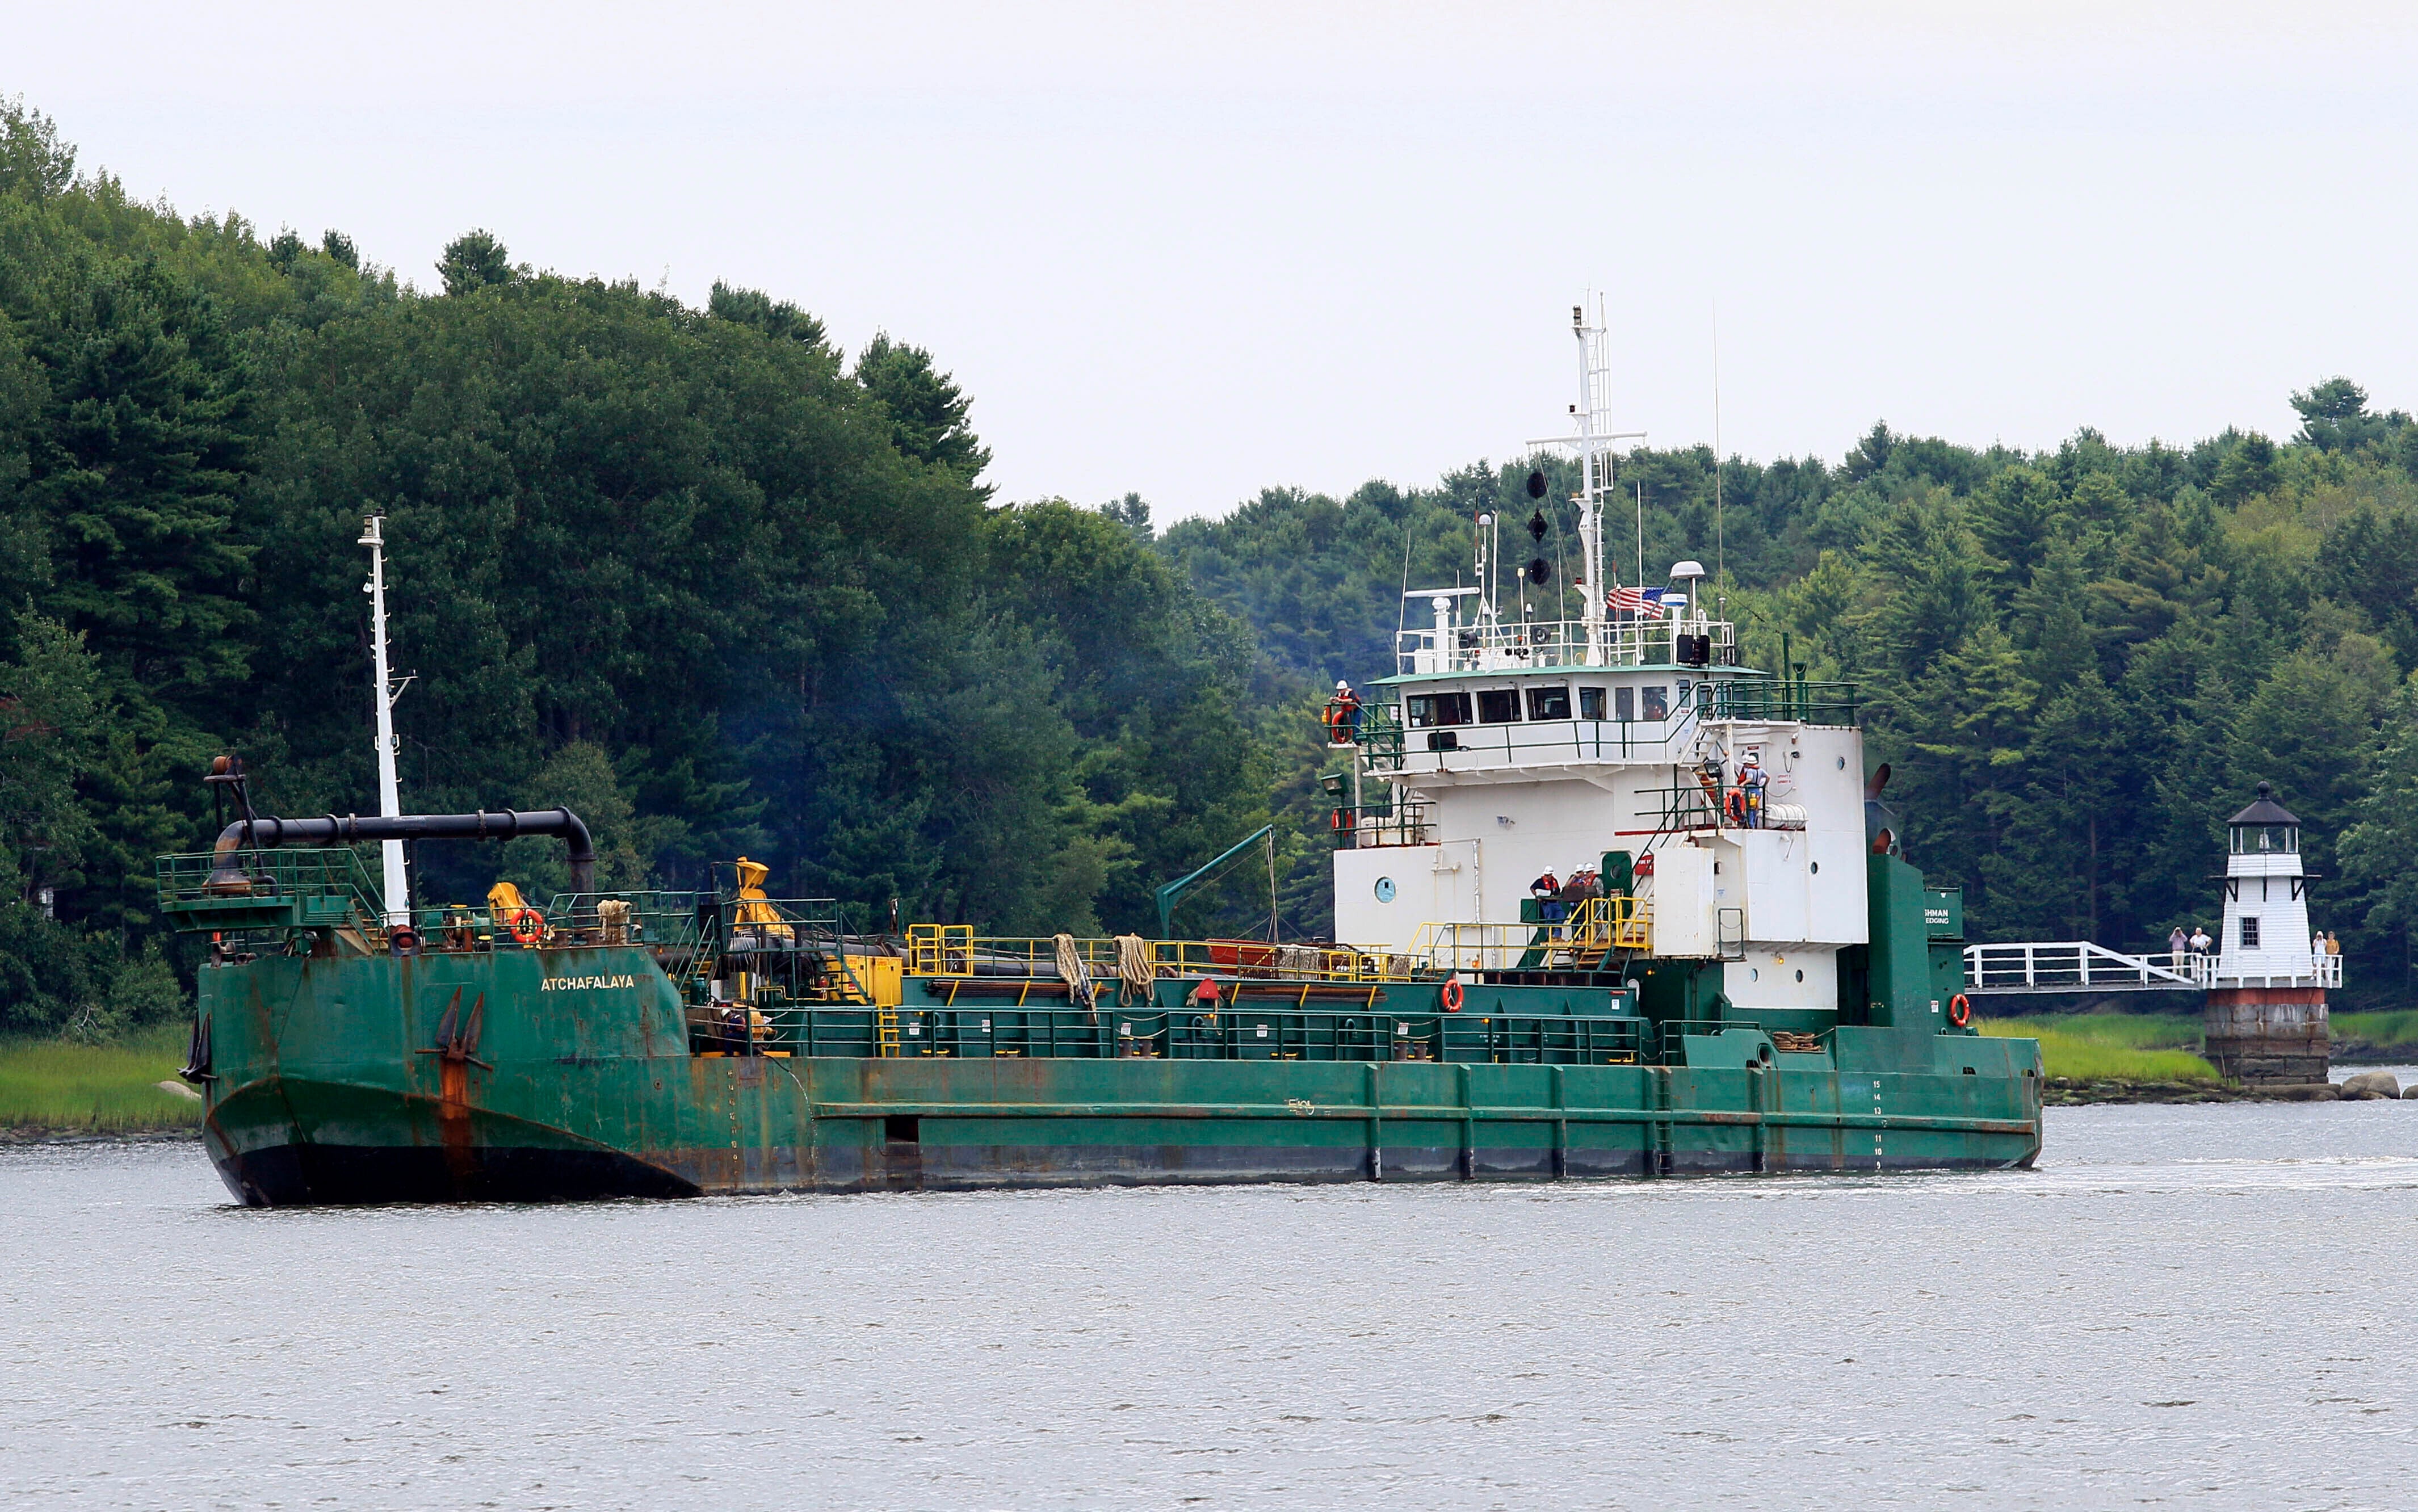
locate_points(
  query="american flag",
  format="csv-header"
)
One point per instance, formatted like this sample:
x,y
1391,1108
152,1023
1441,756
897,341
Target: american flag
x,y
1646,602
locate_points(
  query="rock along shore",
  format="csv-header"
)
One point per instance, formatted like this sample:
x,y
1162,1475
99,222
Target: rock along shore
x,y
2372,1086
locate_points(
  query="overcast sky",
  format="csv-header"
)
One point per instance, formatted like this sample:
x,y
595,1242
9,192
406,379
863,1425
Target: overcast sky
x,y
1192,251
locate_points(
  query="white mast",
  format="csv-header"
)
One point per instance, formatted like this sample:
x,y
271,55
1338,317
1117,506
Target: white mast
x,y
398,891
1593,439
1590,492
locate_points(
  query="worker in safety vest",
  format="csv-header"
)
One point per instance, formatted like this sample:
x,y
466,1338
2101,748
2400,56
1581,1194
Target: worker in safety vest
x,y
1343,715
1573,893
1751,782
1547,891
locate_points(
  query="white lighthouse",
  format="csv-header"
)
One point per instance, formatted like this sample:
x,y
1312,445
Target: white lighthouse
x,y
2267,987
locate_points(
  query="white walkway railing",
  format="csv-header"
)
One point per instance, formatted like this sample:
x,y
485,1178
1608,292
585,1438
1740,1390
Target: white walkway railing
x,y
2079,965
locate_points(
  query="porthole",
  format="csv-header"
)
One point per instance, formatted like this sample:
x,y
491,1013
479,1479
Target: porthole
x,y
1385,890
1753,974
1842,763
1800,976
1817,869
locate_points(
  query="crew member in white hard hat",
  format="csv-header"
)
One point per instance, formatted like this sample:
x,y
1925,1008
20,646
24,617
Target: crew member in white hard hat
x,y
1343,715
1752,782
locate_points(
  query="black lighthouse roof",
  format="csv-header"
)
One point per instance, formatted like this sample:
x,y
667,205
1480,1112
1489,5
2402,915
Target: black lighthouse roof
x,y
2265,810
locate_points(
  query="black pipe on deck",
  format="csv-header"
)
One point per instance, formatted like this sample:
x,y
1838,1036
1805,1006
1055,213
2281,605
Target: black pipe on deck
x,y
329,830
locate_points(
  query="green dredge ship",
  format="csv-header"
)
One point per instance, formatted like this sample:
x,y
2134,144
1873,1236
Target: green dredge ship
x,y
1723,964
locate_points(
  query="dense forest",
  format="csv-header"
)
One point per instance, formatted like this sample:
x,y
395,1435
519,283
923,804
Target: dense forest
x,y
724,587
696,574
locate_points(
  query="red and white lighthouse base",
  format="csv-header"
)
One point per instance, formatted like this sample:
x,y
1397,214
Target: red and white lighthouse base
x,y
2266,1036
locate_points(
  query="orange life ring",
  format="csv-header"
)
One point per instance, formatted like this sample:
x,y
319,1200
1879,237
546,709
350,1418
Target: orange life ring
x,y
526,924
1960,1009
1451,997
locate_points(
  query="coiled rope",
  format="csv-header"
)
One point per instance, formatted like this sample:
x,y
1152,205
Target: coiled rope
x,y
1077,976
1135,970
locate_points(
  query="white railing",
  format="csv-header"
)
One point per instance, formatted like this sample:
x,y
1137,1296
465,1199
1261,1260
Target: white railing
x,y
2079,965
2323,971
1520,646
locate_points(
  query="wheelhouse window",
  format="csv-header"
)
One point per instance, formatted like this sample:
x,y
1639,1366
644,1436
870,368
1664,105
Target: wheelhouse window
x,y
1624,703
1434,710
1655,701
1549,702
1590,703
1498,705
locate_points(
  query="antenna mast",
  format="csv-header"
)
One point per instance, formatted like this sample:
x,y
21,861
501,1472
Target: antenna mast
x,y
398,888
1593,437
1720,541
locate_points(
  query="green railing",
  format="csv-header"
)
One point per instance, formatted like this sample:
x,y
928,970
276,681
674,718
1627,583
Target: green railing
x,y
268,889
1234,1032
669,920
1379,737
1786,701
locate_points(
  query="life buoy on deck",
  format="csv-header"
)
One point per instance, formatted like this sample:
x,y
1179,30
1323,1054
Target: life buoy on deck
x,y
1451,997
1343,721
528,926
1960,1009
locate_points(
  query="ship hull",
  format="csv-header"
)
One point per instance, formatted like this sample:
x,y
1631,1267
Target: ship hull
x,y
462,1079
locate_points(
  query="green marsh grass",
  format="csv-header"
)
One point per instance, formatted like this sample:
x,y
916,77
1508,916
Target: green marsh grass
x,y
2111,1046
2394,1031
62,1086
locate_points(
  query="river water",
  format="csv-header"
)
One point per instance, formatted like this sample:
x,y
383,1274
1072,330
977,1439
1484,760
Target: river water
x,y
2182,1306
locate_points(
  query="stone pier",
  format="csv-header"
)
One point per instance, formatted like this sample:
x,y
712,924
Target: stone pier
x,y
2267,1036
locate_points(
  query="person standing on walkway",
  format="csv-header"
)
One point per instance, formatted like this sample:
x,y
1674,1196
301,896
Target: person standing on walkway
x,y
2178,942
1547,891
1752,783
1573,893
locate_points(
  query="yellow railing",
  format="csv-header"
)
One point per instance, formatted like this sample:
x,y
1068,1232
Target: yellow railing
x,y
1293,963
951,950
1595,927
937,950
1619,923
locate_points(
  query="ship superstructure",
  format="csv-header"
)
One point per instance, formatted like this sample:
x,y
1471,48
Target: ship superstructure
x,y
1629,742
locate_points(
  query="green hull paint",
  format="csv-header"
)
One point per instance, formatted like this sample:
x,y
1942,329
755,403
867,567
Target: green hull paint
x,y
480,1071
330,1086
